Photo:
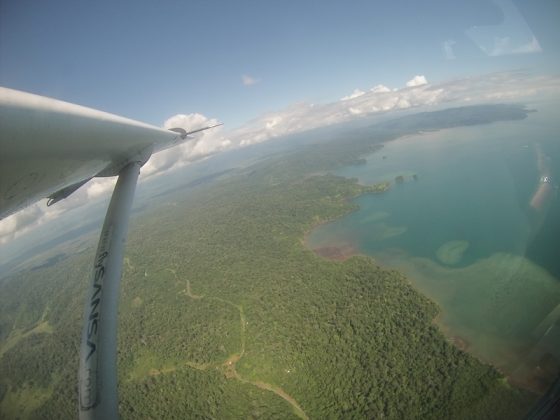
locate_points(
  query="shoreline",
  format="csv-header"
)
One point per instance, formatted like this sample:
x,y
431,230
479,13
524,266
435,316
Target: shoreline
x,y
337,250
339,253
378,188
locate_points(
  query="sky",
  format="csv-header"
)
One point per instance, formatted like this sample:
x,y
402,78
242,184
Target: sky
x,y
268,68
234,60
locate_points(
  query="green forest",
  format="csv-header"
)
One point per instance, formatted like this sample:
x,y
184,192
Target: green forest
x,y
224,313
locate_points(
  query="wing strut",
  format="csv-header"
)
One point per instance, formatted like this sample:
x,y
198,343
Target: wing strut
x,y
97,376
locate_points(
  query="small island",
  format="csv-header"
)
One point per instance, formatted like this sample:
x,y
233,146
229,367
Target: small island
x,y
400,179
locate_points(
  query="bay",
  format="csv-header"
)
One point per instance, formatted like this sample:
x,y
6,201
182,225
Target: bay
x,y
461,221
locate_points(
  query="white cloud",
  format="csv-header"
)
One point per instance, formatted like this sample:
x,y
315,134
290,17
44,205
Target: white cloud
x,y
417,80
19,222
300,117
417,94
249,80
37,214
200,145
380,89
289,120
403,103
448,49
358,92
100,187
355,111
355,94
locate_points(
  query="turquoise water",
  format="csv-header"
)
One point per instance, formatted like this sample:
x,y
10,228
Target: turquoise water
x,y
462,228
465,190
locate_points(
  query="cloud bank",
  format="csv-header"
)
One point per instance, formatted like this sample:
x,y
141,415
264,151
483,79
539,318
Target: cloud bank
x,y
199,146
418,80
416,94
355,94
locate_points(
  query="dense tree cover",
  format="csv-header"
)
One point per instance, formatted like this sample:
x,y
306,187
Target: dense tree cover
x,y
189,393
225,314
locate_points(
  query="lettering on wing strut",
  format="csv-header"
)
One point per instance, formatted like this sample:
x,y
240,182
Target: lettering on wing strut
x,y
89,391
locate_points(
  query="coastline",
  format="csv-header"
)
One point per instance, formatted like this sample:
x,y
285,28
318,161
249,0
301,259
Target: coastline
x,y
499,350
338,253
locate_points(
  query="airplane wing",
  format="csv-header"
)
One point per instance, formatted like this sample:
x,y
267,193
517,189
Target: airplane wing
x,y
49,148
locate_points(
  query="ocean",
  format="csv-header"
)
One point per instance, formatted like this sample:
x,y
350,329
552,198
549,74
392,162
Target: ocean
x,y
471,219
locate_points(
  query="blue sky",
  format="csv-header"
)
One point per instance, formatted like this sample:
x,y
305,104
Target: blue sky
x,y
150,60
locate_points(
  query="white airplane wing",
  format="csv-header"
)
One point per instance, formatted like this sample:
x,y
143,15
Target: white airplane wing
x,y
49,148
